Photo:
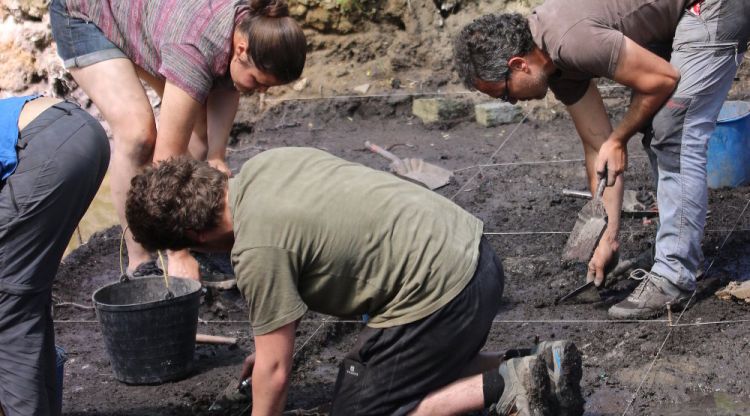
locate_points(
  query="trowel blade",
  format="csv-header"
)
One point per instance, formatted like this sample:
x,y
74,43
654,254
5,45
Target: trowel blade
x,y
587,288
585,235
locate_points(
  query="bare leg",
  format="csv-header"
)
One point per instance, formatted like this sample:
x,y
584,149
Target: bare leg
x,y
460,397
114,87
464,395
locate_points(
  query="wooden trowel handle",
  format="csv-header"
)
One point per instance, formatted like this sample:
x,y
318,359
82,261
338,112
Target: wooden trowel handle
x,y
382,152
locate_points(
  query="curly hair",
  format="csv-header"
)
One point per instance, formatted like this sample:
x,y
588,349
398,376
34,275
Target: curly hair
x,y
483,47
177,195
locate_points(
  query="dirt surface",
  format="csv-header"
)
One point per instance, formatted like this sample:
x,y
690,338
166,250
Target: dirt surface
x,y
700,369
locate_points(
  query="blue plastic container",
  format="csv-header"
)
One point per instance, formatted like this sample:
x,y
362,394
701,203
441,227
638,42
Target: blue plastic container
x,y
61,357
729,147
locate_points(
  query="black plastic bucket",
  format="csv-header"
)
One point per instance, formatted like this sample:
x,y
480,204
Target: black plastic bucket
x,y
149,338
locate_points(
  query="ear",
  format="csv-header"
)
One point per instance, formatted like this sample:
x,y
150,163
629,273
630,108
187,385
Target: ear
x,y
518,63
239,45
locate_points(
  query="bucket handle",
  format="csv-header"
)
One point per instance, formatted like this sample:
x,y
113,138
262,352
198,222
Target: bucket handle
x,y
124,276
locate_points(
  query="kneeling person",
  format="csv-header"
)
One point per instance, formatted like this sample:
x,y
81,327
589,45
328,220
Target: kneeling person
x,y
308,230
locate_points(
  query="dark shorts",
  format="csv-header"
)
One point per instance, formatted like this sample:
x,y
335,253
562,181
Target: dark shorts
x,y
79,43
62,157
391,370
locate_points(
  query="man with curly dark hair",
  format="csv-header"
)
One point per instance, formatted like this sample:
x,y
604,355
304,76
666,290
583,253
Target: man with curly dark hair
x,y
308,230
564,45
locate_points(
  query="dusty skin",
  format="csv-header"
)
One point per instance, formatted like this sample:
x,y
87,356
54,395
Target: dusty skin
x,y
700,369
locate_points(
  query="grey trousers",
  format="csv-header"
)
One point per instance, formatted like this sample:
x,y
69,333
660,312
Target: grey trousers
x,y
707,50
63,155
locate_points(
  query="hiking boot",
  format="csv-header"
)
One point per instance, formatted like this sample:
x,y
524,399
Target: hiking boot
x,y
527,388
563,362
650,298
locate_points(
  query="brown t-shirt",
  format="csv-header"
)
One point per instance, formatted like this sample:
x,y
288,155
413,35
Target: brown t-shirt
x,y
584,37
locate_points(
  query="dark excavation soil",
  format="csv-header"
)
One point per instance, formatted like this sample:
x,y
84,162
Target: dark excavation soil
x,y
700,369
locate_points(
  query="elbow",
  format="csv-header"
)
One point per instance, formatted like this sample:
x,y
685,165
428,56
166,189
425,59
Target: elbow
x,y
671,80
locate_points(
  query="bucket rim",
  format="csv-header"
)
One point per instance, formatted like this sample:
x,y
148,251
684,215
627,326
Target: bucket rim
x,y
745,111
146,305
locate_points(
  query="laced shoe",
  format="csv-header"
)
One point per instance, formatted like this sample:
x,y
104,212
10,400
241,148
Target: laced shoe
x,y
563,362
650,298
527,388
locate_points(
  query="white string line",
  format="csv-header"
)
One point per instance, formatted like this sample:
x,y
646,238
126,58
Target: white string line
x,y
349,97
677,322
414,94
622,232
491,157
533,162
496,321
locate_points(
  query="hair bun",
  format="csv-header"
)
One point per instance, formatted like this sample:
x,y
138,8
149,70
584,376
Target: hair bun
x,y
268,8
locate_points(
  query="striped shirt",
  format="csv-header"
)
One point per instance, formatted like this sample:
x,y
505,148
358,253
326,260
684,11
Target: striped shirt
x,y
187,42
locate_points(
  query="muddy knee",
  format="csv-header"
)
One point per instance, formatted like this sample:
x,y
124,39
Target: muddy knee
x,y
136,142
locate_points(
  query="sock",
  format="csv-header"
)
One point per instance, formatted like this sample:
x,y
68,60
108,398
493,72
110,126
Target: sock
x,y
492,387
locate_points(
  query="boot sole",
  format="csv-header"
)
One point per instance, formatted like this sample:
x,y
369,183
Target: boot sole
x,y
539,390
563,362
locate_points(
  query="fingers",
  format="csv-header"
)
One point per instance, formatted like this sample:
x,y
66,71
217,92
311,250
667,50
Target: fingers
x,y
595,273
591,273
611,177
247,367
599,276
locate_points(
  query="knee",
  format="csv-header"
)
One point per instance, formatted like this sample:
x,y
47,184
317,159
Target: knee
x,y
136,141
668,127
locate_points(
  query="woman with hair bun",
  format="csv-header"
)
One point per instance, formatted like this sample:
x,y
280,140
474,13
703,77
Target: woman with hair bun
x,y
198,55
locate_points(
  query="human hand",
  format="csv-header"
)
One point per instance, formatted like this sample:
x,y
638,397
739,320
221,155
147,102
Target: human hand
x,y
221,165
612,160
247,367
605,253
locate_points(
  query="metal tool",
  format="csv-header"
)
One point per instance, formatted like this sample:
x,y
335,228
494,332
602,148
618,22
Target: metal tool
x,y
427,174
577,291
245,385
588,228
616,270
634,203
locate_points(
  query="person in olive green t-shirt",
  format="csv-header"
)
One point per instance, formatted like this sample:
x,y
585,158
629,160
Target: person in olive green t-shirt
x,y
308,230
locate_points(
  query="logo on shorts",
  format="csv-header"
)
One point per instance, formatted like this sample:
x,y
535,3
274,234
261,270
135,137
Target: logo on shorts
x,y
352,371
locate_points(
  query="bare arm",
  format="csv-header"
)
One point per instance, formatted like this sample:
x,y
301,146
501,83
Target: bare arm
x,y
221,109
176,119
593,126
273,363
653,80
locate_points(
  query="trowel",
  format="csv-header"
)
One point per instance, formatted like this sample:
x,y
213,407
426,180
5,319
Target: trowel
x,y
417,170
588,229
616,270
634,203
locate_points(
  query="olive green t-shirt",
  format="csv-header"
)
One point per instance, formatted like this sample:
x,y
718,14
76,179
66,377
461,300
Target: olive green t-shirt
x,y
313,231
584,37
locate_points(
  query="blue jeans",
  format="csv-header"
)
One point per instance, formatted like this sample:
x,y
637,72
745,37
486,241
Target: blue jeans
x,y
707,59
79,43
